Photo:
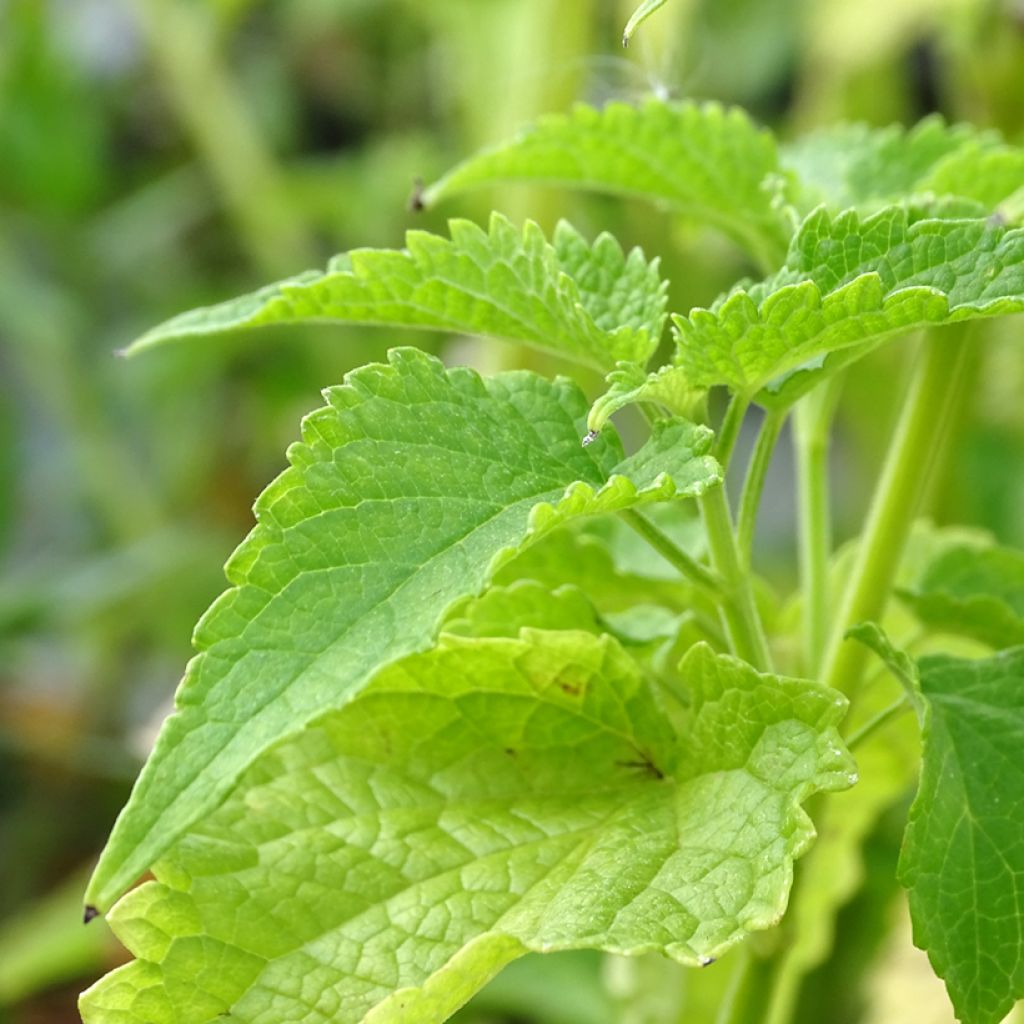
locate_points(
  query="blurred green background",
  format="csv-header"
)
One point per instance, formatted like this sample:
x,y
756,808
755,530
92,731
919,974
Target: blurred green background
x,y
160,154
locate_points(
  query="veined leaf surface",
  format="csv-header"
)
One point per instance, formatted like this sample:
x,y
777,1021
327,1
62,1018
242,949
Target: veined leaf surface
x,y
594,305
409,490
713,165
487,798
975,592
848,284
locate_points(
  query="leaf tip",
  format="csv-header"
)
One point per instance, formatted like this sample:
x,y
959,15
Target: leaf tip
x,y
590,437
89,913
417,201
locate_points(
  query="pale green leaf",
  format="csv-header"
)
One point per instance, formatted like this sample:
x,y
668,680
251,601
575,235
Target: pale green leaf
x,y
711,164
595,306
640,15
854,165
484,799
847,285
628,384
504,611
963,853
988,174
409,490
974,592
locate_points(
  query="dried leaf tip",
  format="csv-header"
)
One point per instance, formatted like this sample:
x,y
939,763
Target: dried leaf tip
x,y
90,913
416,203
590,437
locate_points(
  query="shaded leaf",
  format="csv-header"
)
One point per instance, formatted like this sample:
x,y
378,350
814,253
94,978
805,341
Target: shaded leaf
x,y
409,490
593,305
483,799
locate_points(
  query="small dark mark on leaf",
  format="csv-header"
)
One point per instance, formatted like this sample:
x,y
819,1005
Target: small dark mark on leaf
x,y
416,204
644,764
570,688
706,961
90,913
511,752
590,437
997,220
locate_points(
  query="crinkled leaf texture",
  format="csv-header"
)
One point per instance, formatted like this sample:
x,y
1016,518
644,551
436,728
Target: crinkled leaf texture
x,y
848,284
963,853
591,304
628,384
712,164
489,797
409,490
974,592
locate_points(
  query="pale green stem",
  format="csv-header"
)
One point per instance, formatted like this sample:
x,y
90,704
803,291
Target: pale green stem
x,y
904,478
739,610
688,566
872,725
749,990
729,431
753,485
811,432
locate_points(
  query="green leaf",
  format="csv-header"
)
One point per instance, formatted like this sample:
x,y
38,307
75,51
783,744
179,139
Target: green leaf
x,y
409,490
963,853
974,592
847,285
711,164
628,384
854,165
595,306
640,15
478,801
504,611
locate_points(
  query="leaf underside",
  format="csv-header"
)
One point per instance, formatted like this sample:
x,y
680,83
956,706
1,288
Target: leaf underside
x,y
591,304
407,493
848,284
963,853
489,797
710,163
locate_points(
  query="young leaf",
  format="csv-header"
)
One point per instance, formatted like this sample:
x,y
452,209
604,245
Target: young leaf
x,y
410,488
592,305
963,853
484,799
628,384
848,284
973,592
640,15
711,164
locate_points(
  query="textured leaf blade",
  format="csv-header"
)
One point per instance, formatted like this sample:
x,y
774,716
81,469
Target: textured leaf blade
x,y
847,285
628,384
711,164
408,491
501,283
963,853
974,592
477,801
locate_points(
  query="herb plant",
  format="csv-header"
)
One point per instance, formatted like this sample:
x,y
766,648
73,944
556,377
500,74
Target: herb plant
x,y
447,715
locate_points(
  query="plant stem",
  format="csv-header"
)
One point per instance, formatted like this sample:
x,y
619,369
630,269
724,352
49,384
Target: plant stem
x,y
749,988
875,723
729,431
739,612
753,485
688,566
918,438
811,431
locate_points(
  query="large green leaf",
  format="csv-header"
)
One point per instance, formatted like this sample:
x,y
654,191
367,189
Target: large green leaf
x,y
963,855
594,304
489,797
410,488
972,591
854,165
713,165
848,284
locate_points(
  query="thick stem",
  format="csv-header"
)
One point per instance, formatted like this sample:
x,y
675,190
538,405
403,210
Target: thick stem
x,y
811,430
905,476
688,566
739,611
753,486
